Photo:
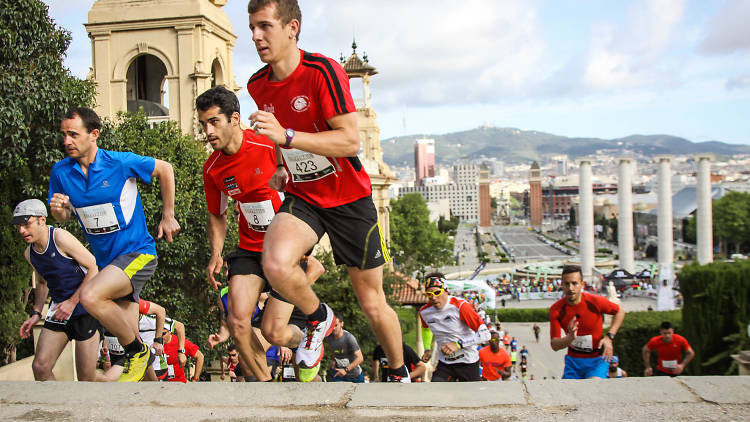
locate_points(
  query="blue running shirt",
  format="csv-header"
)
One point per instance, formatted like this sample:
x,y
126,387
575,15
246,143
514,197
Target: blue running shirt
x,y
107,203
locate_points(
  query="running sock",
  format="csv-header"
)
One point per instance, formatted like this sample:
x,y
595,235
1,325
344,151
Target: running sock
x,y
133,348
319,314
400,371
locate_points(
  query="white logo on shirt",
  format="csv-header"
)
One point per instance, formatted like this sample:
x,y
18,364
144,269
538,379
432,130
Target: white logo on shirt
x,y
300,103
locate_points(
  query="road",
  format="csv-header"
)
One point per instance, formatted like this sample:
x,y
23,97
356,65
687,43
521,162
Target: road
x,y
525,244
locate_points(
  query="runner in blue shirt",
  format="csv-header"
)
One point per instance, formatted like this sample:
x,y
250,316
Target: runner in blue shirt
x,y
100,188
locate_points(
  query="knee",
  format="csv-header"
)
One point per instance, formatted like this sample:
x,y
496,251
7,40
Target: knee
x,y
238,325
276,267
88,299
374,307
41,369
272,334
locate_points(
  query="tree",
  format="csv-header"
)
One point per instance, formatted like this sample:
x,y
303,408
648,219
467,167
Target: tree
x,y
37,90
415,242
731,221
448,226
572,219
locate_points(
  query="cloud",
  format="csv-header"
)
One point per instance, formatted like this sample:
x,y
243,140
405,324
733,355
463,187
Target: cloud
x,y
739,81
727,32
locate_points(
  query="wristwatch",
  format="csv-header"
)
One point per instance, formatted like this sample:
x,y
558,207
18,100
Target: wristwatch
x,y
611,336
159,340
289,136
35,312
181,351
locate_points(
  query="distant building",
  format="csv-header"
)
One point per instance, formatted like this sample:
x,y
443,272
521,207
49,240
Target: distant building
x,y
485,210
462,194
535,195
424,159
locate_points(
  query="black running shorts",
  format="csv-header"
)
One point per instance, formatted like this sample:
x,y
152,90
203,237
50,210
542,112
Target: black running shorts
x,y
353,228
79,328
243,262
456,372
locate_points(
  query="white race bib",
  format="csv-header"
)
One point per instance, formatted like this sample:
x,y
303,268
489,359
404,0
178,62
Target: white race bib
x,y
98,219
455,355
114,345
288,372
51,314
669,364
306,166
170,372
258,214
583,343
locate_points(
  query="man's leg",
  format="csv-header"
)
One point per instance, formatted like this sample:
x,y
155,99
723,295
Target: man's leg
x,y
98,297
275,325
287,239
87,353
244,290
368,286
48,349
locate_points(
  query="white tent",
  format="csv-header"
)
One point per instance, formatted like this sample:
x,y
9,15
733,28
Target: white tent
x,y
458,287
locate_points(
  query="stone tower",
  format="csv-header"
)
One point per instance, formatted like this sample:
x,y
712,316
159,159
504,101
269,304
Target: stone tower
x,y
535,195
371,154
159,55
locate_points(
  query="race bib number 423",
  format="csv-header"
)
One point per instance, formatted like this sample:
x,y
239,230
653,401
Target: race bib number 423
x,y
306,166
98,219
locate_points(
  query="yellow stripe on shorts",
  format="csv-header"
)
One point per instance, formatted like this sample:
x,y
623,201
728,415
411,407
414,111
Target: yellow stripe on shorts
x,y
383,248
138,264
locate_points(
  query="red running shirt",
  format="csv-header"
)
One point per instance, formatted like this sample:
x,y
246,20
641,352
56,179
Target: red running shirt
x,y
315,92
670,354
493,362
244,177
175,373
589,312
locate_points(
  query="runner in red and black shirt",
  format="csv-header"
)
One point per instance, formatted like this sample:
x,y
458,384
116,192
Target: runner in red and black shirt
x,y
669,348
580,315
306,108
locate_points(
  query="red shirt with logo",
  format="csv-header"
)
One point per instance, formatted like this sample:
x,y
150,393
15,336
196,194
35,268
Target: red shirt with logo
x,y
670,354
175,372
589,313
492,363
244,176
315,92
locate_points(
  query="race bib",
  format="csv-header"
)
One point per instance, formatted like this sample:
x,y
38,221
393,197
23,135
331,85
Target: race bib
x,y
288,372
170,372
258,214
98,219
669,364
114,345
51,314
306,166
583,343
455,355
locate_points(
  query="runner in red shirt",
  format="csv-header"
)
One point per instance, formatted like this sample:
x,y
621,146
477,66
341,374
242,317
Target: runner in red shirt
x,y
580,314
306,108
495,360
670,348
176,363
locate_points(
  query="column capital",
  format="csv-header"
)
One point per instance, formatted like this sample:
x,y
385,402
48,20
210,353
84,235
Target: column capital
x,y
663,157
704,156
626,158
581,160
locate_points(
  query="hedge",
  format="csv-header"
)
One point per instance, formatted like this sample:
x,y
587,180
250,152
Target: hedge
x,y
522,315
716,313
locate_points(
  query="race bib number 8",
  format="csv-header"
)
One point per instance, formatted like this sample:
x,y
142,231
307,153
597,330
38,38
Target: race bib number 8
x,y
51,315
306,166
258,214
98,219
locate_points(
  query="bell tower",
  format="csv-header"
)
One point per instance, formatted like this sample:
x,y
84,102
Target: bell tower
x,y
159,55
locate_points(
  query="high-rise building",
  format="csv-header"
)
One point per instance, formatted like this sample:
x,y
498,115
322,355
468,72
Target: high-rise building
x,y
424,159
535,195
462,194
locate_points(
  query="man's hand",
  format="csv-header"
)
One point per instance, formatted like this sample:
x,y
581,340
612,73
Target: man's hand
x,y
213,340
678,369
265,123
648,372
158,348
222,376
25,330
606,342
182,358
64,309
278,180
285,355
340,372
573,327
215,266
449,348
168,226
60,206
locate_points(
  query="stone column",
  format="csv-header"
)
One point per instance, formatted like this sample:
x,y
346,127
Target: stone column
x,y
586,219
704,218
625,210
665,300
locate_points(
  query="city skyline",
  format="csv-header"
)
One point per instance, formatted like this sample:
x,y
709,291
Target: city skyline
x,y
579,69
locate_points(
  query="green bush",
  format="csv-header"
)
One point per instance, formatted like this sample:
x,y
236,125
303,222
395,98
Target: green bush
x,y
716,313
522,315
637,329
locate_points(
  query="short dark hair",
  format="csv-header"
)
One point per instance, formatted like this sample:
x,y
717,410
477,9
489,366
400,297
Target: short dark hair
x,y
338,316
219,96
90,119
666,325
572,268
286,10
231,348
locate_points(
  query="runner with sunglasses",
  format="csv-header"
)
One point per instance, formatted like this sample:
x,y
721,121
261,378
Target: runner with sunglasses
x,y
457,329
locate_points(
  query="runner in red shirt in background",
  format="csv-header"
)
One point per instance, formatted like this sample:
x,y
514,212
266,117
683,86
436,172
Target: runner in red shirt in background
x,y
580,315
495,360
176,358
306,108
669,347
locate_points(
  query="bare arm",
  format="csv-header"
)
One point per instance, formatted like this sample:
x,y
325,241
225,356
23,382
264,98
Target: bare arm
x,y
647,361
168,225
161,315
419,370
358,359
341,141
179,329
689,355
217,232
198,365
375,370
563,342
40,296
606,342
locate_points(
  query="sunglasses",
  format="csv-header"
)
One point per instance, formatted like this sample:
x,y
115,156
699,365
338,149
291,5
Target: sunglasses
x,y
494,340
436,293
231,355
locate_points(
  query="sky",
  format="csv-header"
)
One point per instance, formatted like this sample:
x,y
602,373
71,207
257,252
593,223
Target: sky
x,y
583,68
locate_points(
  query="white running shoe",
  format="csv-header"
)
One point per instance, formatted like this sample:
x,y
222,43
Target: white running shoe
x,y
310,350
